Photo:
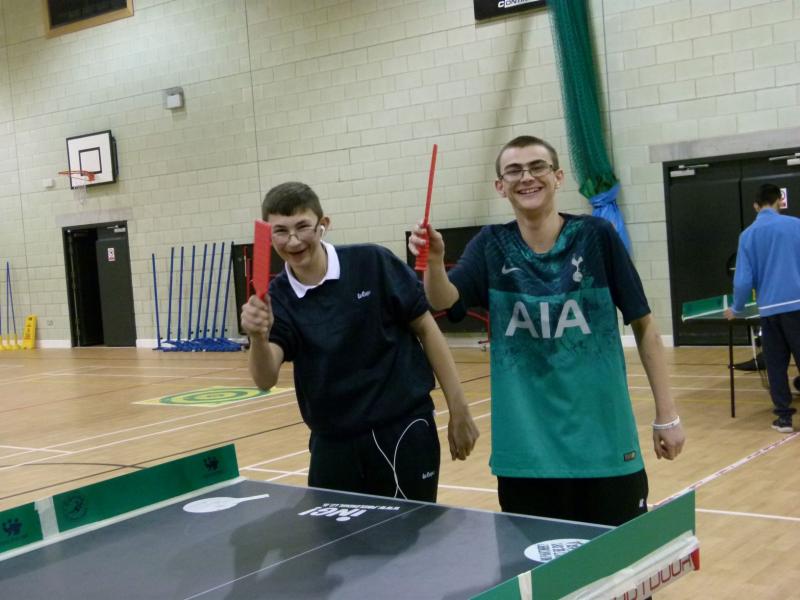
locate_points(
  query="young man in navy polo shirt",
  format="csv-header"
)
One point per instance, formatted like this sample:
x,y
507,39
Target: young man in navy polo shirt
x,y
355,323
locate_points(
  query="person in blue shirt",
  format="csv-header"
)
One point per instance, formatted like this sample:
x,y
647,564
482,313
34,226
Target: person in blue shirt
x,y
564,438
356,325
768,261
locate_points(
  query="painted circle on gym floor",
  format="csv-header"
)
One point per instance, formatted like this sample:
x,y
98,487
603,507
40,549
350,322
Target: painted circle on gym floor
x,y
214,395
549,549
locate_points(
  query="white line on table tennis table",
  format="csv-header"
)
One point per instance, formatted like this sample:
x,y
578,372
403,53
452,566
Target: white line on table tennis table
x,y
309,551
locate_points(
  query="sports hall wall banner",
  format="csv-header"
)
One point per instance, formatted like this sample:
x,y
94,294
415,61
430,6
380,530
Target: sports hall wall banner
x,y
488,9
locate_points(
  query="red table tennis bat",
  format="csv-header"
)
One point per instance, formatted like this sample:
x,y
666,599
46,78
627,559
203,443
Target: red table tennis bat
x,y
262,249
421,262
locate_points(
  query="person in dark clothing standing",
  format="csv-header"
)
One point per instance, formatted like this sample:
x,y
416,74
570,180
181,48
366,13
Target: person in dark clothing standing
x,y
355,322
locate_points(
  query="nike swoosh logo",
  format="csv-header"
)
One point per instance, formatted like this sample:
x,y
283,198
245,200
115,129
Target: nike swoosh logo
x,y
506,270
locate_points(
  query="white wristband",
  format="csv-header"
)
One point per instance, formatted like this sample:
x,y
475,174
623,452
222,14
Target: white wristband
x,y
672,424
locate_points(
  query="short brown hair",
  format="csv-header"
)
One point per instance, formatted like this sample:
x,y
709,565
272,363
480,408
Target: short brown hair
x,y
524,141
290,198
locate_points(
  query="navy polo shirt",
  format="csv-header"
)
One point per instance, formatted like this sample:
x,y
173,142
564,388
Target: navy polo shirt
x,y
357,362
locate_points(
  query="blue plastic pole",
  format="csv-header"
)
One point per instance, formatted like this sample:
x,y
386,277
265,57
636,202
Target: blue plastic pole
x,y
227,292
200,293
191,298
208,289
169,303
216,296
155,301
180,295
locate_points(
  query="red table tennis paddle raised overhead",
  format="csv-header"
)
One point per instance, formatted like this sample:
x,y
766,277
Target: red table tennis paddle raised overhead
x,y
421,262
262,255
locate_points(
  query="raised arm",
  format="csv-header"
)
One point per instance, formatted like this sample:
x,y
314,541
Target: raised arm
x,y
264,359
461,430
668,436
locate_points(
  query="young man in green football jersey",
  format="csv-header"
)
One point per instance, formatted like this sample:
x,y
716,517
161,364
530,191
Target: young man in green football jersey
x,y
564,438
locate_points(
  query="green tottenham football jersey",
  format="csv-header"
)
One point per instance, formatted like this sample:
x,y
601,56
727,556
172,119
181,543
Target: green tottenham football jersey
x,y
560,403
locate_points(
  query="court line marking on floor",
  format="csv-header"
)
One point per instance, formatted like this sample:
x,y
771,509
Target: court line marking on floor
x,y
45,375
30,449
746,514
466,488
24,451
732,467
741,375
176,419
145,436
245,377
173,367
276,459
705,389
184,418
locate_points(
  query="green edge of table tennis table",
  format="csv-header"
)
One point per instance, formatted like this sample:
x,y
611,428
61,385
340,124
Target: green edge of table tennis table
x,y
648,552
712,310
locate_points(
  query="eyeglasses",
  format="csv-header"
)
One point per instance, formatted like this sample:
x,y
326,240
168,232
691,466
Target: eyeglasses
x,y
539,168
304,232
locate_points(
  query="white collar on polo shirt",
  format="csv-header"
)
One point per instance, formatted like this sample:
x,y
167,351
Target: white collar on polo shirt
x,y
300,289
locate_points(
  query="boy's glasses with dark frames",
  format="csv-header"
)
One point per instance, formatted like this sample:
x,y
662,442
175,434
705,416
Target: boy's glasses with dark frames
x,y
304,233
539,168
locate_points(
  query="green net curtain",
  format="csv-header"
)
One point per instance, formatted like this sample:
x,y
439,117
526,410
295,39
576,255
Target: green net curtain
x,y
587,149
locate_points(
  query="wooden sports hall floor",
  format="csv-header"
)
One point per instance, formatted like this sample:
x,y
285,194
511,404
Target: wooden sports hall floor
x,y
70,417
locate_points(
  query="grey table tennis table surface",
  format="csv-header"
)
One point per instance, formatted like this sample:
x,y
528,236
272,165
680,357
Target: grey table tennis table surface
x,y
297,543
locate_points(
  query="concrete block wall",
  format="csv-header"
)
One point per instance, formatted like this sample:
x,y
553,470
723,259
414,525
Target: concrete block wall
x,y
683,70
349,96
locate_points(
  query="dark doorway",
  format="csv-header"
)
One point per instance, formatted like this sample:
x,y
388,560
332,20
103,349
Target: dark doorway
x,y
708,204
100,294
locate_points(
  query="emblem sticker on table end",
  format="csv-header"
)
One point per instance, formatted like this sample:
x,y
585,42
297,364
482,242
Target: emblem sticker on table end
x,y
549,549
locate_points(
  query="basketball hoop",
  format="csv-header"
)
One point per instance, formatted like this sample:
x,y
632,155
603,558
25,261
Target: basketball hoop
x,y
78,180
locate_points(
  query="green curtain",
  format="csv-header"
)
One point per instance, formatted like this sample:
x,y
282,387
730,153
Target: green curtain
x,y
587,150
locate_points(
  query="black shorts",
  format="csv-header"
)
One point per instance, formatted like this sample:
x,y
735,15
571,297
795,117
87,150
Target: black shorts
x,y
605,500
398,460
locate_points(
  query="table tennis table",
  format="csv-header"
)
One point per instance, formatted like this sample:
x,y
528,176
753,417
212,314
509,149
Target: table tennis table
x,y
131,537
712,310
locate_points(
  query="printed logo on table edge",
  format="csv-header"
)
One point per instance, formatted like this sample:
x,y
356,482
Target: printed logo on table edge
x,y
629,456
211,463
74,506
343,512
12,527
547,550
15,533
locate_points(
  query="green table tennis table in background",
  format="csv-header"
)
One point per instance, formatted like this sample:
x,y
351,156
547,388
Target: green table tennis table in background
x,y
712,310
